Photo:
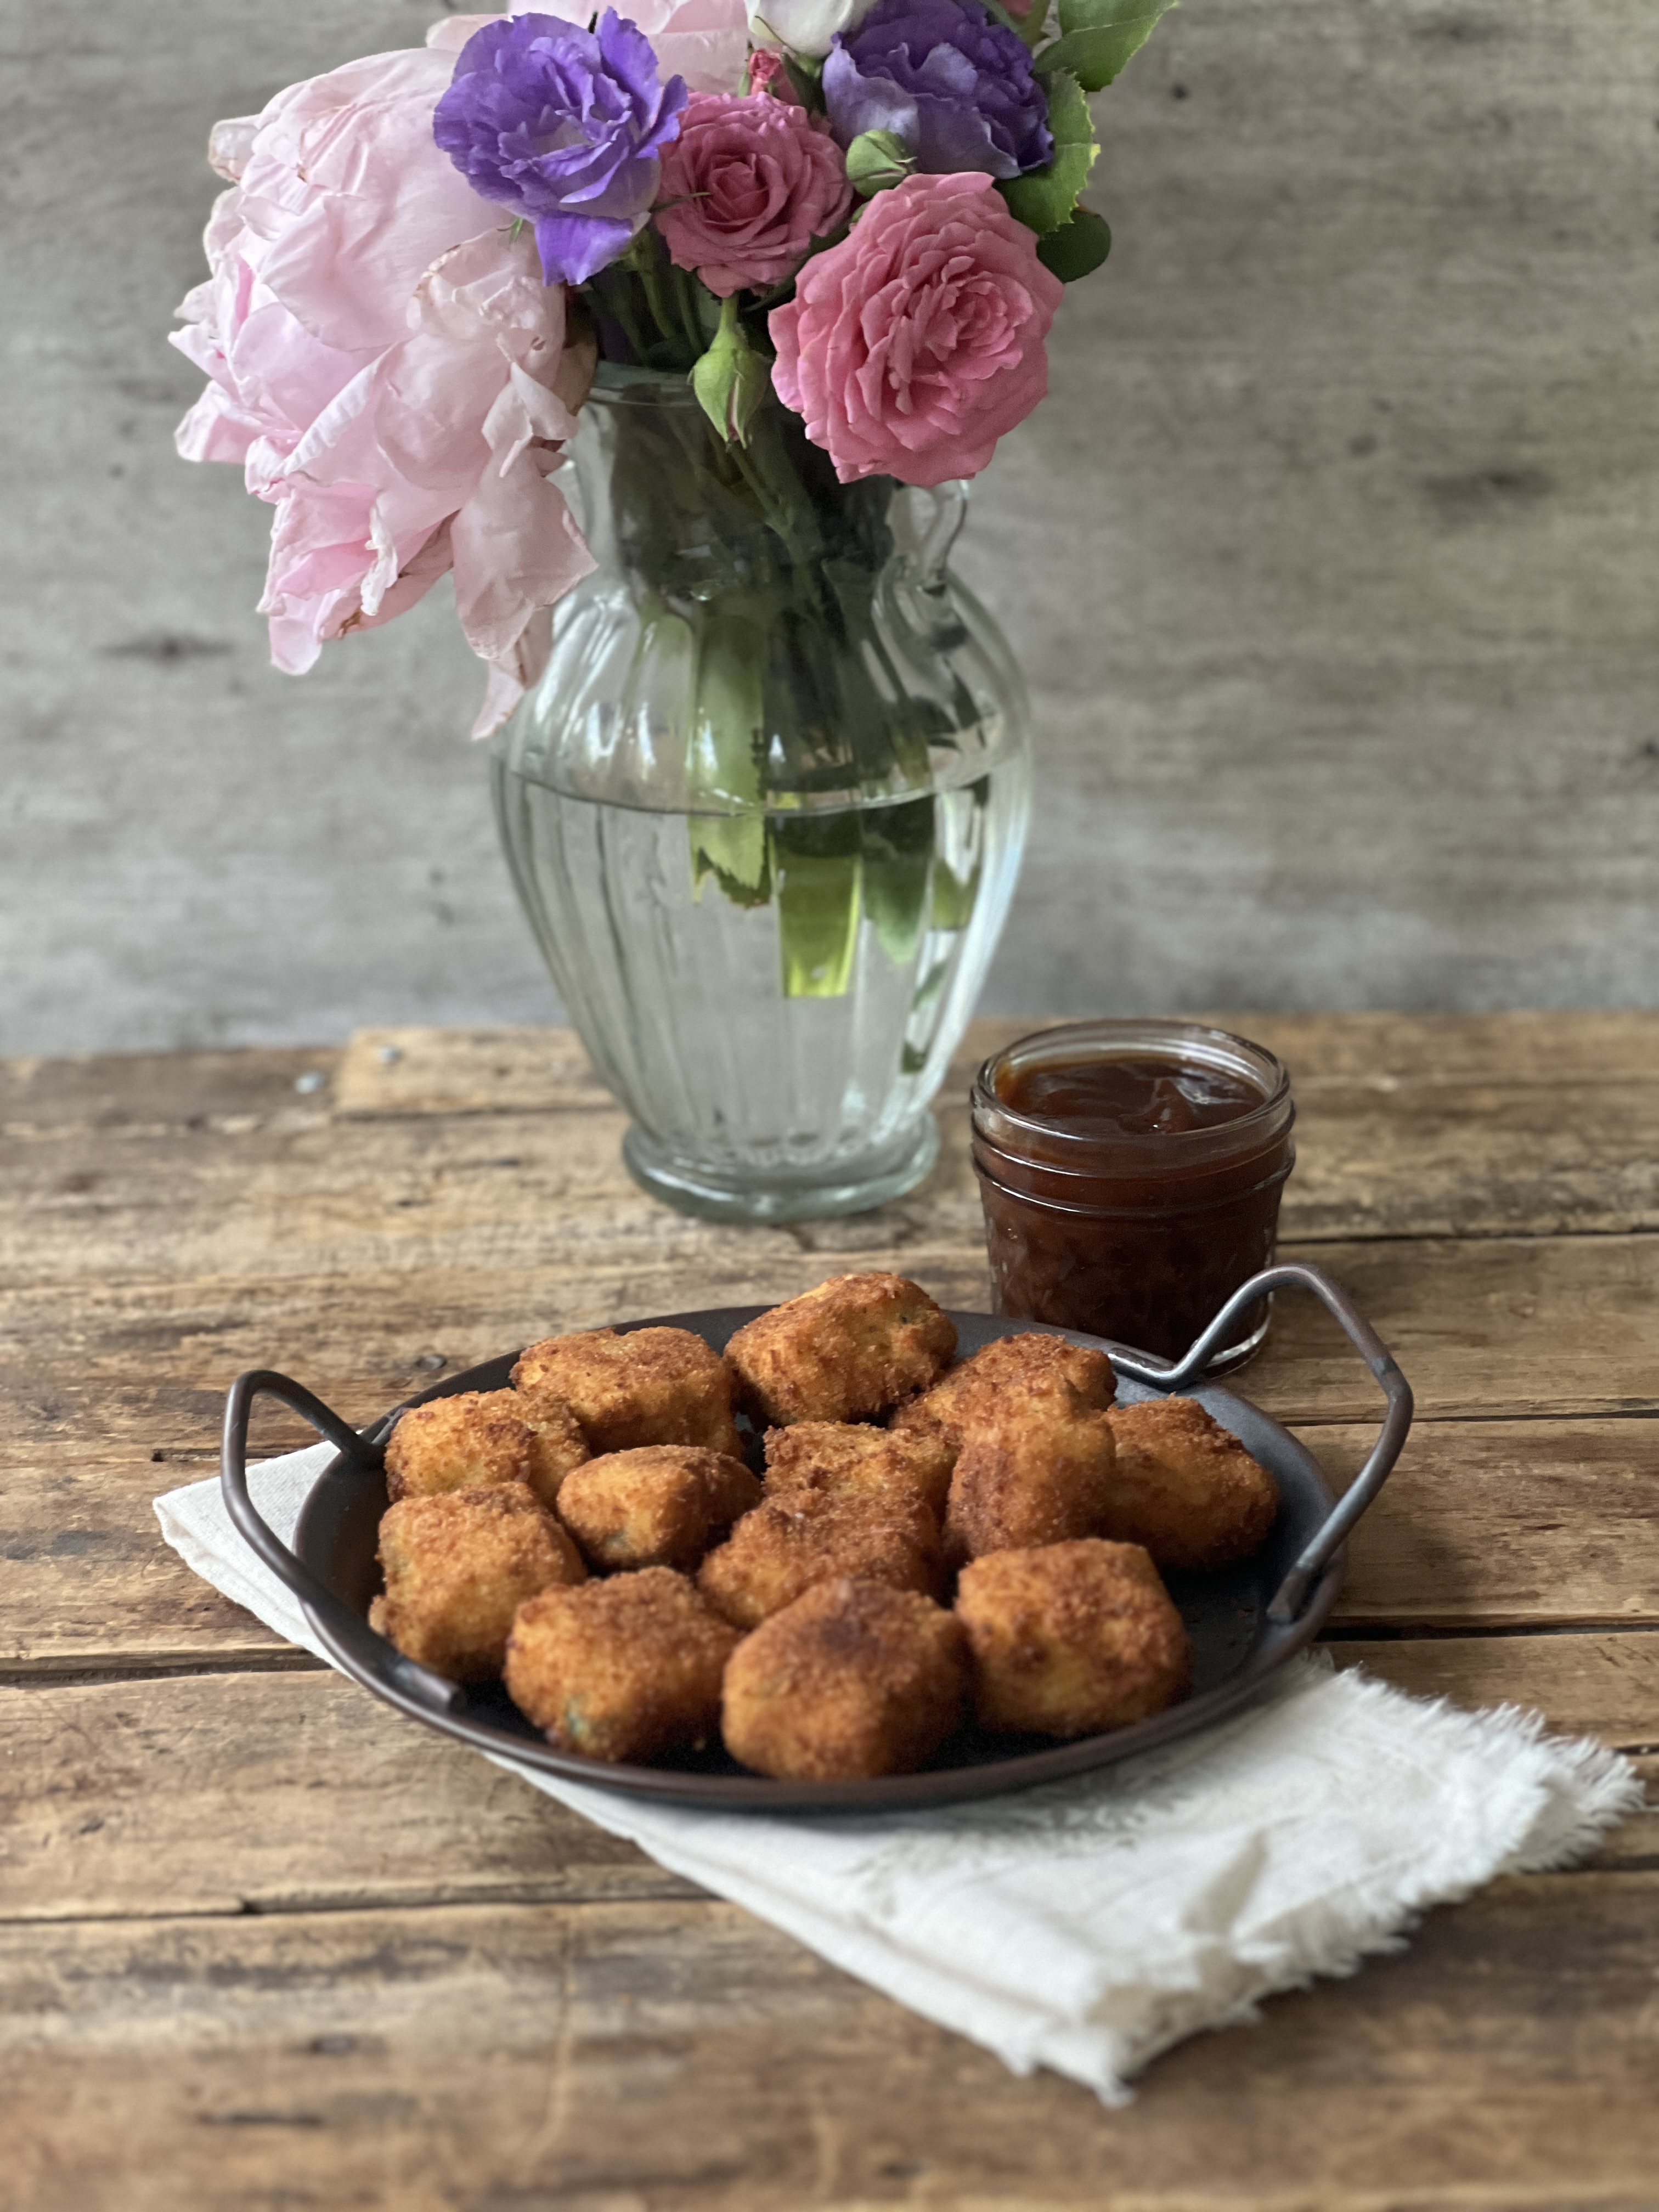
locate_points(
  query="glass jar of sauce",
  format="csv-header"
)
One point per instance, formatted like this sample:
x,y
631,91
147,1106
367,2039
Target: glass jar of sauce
x,y
1130,1174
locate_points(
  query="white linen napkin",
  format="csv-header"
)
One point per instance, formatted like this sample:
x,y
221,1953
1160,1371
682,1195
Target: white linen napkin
x,y
1088,1924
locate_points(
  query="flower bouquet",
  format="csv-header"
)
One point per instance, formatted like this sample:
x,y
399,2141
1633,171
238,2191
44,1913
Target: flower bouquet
x,y
778,280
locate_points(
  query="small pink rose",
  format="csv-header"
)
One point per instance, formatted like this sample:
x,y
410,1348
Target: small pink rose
x,y
746,187
768,73
914,345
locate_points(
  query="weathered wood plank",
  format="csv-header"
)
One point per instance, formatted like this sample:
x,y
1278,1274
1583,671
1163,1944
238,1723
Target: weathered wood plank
x,y
234,1793
127,1091
216,1794
639,2057
1605,1686
279,1188
1498,1327
450,1071
1482,1525
1498,1524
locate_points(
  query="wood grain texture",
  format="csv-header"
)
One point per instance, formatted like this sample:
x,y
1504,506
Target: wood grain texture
x,y
137,1799
650,2058
473,1148
262,1942
1496,1327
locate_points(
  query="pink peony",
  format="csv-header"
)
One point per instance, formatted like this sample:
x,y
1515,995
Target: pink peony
x,y
914,345
746,186
390,371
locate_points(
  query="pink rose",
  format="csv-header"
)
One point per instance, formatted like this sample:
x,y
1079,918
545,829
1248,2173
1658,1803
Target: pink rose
x,y
768,72
390,370
914,345
746,187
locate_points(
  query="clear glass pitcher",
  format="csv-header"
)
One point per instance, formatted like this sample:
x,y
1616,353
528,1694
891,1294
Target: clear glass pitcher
x,y
766,807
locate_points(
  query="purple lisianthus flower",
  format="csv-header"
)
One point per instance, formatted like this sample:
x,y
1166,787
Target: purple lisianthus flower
x,y
564,127
957,88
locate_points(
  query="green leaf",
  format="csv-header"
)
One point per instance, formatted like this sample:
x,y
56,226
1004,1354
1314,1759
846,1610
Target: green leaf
x,y
722,747
815,867
1076,248
898,854
1045,199
732,849
1100,36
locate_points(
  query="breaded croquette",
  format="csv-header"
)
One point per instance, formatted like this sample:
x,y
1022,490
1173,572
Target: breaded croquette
x,y
659,1506
986,1386
1071,1639
628,1668
1185,1486
651,1386
845,1351
458,1567
808,1536
478,1440
1042,1478
852,1456
853,1679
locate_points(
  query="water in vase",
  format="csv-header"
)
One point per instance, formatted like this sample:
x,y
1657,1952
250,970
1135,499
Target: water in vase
x,y
772,996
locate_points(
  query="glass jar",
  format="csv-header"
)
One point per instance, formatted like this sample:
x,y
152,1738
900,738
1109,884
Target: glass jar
x,y
766,807
1134,1217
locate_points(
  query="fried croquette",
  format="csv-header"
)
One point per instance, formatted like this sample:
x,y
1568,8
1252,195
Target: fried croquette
x,y
845,1351
1043,1479
628,1668
1185,1488
1071,1639
849,1455
658,1506
458,1567
651,1386
991,1384
478,1439
809,1536
852,1680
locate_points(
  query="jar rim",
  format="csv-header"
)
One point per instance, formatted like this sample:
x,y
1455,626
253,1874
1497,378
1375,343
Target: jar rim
x,y
1110,1037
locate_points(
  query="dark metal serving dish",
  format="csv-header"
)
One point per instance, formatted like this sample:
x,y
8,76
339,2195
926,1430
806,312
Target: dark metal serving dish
x,y
1245,1622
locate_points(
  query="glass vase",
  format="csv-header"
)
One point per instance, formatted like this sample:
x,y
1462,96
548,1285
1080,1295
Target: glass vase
x,y
765,808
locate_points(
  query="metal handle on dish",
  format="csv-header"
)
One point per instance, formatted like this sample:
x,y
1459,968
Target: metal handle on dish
x,y
1165,1374
345,1626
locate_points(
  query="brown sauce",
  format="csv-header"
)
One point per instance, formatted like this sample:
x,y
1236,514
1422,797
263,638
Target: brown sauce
x,y
1130,1185
1140,1095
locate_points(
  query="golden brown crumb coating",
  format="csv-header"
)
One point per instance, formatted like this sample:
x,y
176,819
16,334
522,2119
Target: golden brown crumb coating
x,y
852,1456
478,1439
1071,1639
845,1351
1185,1488
651,1386
658,1506
809,1536
992,1384
1043,1479
628,1669
853,1679
458,1567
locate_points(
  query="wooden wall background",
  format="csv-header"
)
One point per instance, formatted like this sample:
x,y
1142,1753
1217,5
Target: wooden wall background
x,y
1333,557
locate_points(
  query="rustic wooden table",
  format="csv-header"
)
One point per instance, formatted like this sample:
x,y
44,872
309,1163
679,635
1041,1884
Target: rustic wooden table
x,y
265,1945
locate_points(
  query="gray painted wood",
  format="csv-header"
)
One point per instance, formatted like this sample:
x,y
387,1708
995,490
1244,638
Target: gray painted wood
x,y
1332,556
